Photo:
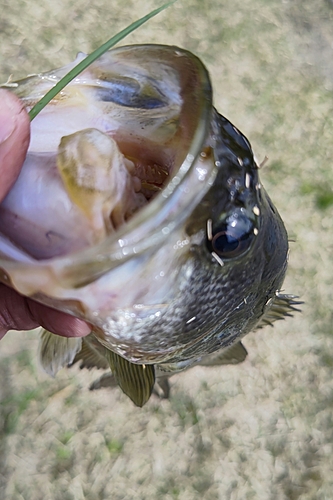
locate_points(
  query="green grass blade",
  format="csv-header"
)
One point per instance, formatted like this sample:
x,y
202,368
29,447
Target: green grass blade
x,y
91,58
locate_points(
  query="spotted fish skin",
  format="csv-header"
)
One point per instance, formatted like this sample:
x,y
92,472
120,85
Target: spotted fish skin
x,y
215,305
232,298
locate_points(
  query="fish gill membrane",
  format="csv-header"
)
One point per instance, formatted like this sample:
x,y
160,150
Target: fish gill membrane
x,y
140,210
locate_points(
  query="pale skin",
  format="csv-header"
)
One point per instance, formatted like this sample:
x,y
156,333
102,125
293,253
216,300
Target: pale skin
x,y
18,312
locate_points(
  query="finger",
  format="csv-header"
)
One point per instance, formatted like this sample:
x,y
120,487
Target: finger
x,y
14,139
58,322
19,313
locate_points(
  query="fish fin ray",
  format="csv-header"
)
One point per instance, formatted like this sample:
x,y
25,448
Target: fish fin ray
x,y
55,352
282,306
106,380
162,388
92,354
136,381
230,356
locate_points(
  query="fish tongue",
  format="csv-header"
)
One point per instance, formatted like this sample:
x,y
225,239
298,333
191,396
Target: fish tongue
x,y
97,179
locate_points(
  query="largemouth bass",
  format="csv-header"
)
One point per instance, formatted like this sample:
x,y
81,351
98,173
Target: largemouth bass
x,y
139,209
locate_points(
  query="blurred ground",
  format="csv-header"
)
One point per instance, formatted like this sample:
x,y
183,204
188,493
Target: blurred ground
x,y
262,430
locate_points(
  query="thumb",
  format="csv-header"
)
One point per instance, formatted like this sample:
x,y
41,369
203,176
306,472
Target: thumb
x,y
14,139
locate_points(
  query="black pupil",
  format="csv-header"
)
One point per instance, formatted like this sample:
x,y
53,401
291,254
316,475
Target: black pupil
x,y
233,237
224,242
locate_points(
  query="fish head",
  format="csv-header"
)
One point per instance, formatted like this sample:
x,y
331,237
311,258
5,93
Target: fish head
x,y
185,269
240,248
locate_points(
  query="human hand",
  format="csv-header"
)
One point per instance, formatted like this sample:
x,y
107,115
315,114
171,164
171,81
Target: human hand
x,y
18,312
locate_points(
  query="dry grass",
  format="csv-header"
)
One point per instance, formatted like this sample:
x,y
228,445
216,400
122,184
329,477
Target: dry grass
x,y
263,430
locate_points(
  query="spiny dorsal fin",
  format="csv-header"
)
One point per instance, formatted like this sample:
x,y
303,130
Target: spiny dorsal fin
x,y
280,307
55,352
230,356
136,381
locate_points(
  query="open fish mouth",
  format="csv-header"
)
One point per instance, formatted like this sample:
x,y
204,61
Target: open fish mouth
x,y
138,129
140,209
133,128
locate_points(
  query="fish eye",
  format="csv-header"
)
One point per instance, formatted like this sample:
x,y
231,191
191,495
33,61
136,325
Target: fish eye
x,y
232,237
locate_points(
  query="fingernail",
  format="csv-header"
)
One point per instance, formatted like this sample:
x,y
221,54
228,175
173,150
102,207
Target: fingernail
x,y
81,328
9,109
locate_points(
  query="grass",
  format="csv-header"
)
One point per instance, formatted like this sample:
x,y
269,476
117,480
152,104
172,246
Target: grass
x,y
87,61
323,194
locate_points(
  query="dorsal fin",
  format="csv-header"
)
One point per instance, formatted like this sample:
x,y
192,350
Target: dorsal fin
x,y
280,307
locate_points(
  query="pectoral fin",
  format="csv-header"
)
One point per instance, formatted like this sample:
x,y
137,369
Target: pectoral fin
x,y
136,381
92,354
106,380
56,352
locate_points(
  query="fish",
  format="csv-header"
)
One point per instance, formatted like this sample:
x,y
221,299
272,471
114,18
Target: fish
x,y
139,209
